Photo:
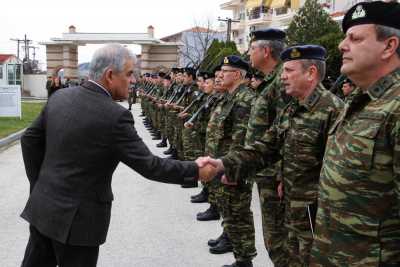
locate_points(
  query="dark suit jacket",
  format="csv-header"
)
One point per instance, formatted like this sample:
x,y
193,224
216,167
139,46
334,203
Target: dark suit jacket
x,y
70,153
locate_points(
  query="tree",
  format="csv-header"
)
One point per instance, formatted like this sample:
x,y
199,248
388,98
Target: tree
x,y
215,54
313,25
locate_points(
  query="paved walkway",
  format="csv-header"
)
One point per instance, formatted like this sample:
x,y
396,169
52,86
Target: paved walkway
x,y
152,224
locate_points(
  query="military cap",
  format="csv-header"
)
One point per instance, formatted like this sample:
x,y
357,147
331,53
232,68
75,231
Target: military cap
x,y
217,68
174,70
167,77
267,34
147,74
190,71
161,74
377,12
304,52
201,74
236,62
179,70
154,75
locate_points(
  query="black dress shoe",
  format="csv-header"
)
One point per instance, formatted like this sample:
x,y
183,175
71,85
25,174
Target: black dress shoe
x,y
224,246
240,264
168,151
203,191
192,183
163,143
156,137
209,215
214,242
202,198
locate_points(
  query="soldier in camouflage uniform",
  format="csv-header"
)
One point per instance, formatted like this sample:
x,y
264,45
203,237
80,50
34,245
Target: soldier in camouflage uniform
x,y
297,138
225,131
265,49
358,219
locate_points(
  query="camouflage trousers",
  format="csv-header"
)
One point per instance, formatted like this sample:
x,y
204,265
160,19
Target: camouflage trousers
x,y
192,143
273,217
170,127
238,223
299,237
178,125
344,238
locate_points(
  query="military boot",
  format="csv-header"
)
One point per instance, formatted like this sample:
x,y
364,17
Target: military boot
x,y
203,191
223,246
156,136
209,215
163,143
240,264
168,151
214,242
200,198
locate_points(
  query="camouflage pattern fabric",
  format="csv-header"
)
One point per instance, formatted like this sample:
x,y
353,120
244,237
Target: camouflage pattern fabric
x,y
298,138
358,220
226,130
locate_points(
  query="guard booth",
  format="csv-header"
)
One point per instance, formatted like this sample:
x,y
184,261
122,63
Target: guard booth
x,y
10,70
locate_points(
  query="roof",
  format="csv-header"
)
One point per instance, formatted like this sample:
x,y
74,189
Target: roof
x,y
5,57
194,29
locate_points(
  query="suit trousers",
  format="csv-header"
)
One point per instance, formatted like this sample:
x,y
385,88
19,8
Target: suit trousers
x,y
42,251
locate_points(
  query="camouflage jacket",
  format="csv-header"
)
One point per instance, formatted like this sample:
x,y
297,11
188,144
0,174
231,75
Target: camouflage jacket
x,y
271,99
297,138
360,175
227,126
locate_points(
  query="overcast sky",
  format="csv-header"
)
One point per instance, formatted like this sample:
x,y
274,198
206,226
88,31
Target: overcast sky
x,y
44,19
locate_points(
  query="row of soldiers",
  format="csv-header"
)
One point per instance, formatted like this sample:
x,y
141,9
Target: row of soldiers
x,y
327,170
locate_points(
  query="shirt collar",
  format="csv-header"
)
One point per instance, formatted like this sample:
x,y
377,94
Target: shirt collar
x,y
99,85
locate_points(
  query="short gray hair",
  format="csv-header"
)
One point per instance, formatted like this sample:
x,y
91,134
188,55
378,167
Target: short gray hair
x,y
112,56
384,32
319,64
276,46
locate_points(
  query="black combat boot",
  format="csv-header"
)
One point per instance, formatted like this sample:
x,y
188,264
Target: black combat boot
x,y
223,246
168,151
201,198
156,136
163,143
203,191
209,215
240,264
214,242
142,114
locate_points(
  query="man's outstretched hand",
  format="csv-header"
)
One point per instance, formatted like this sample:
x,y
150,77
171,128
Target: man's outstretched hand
x,y
209,168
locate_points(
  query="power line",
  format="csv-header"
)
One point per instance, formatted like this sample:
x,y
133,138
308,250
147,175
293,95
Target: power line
x,y
229,27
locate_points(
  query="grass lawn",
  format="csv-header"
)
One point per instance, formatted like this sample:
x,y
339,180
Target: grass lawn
x,y
30,110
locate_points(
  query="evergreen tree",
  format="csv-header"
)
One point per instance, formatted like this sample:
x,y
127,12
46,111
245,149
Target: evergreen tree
x,y
313,25
216,52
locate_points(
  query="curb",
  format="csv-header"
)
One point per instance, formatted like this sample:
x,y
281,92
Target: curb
x,y
11,138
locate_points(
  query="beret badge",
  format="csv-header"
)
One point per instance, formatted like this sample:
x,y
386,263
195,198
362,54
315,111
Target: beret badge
x,y
359,12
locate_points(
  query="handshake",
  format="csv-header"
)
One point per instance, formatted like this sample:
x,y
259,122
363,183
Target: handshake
x,y
210,168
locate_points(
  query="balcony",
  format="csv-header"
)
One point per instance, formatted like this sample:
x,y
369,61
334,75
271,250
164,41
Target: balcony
x,y
231,5
266,15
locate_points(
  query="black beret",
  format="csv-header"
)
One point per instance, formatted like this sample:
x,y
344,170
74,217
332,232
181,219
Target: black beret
x,y
161,74
217,68
377,12
304,52
147,74
190,71
179,70
267,34
154,75
201,74
236,62
174,70
167,77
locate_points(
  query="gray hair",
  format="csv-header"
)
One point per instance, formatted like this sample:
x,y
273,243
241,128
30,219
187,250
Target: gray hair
x,y
276,46
384,32
112,56
319,64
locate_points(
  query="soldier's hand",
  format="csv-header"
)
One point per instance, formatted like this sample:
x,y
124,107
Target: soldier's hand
x,y
280,190
188,125
225,181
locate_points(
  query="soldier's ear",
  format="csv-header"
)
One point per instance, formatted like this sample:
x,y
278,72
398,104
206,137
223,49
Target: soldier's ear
x,y
392,45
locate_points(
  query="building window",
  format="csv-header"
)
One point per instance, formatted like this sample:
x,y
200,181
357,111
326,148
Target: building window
x,y
1,72
14,74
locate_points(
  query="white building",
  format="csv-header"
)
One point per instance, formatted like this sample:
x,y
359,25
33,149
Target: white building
x,y
260,14
10,70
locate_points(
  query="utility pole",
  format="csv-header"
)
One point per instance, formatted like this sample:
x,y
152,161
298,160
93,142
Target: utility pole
x,y
26,43
228,27
33,48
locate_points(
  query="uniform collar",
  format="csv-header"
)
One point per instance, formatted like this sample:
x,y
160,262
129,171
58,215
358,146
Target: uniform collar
x,y
382,85
310,101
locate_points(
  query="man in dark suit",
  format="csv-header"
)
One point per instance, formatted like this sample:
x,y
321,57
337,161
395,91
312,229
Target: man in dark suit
x,y
70,153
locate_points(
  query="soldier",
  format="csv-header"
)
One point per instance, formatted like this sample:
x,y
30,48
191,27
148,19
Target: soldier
x,y
225,131
358,219
132,94
297,138
265,49
256,80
